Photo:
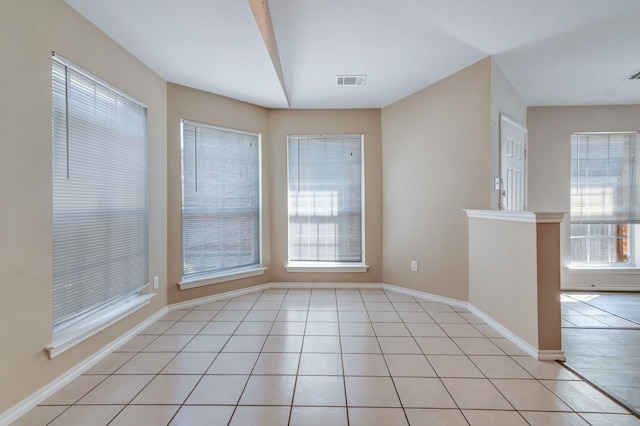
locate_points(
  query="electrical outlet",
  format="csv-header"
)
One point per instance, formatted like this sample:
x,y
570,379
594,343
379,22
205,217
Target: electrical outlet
x,y
155,282
414,266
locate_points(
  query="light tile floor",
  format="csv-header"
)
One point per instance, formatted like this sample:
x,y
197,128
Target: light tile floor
x,y
325,357
601,340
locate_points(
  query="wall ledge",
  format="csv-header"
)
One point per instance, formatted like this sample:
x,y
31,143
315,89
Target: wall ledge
x,y
236,274
92,325
514,216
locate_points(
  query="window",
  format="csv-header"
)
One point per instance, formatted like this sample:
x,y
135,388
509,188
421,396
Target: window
x,y
326,200
100,201
604,198
221,220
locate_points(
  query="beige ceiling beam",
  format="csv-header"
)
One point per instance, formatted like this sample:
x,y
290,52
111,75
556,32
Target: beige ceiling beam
x,y
260,9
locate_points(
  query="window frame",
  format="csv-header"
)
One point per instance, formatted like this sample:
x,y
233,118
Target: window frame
x,y
632,229
631,252
73,329
321,266
257,269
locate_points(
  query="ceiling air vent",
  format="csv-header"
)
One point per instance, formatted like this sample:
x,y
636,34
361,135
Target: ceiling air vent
x,y
634,76
351,80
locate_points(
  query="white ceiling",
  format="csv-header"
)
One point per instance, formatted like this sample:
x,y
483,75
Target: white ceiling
x,y
555,52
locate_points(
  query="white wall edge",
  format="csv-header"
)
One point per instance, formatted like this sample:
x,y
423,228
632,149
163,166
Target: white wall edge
x,y
267,286
515,216
24,406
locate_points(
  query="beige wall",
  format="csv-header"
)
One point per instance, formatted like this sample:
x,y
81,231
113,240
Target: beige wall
x,y
29,32
436,162
504,100
503,274
550,131
436,145
326,122
514,278
191,104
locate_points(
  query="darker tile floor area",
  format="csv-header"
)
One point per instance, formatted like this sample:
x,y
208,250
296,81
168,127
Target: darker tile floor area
x,y
601,340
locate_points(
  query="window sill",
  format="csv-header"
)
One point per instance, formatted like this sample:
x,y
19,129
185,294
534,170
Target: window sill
x,y
71,336
219,278
595,270
325,267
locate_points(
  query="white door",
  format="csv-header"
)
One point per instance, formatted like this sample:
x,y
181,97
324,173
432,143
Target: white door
x,y
513,165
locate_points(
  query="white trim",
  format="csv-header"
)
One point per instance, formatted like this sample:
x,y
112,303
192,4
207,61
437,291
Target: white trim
x,y
186,284
601,287
513,216
319,285
325,267
514,123
320,136
242,272
628,132
312,266
216,297
92,325
540,355
508,120
601,270
441,299
24,406
550,355
217,127
67,63
549,217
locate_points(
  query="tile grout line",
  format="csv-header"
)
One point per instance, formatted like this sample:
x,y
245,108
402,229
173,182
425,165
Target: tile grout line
x,y
344,376
395,387
244,388
181,405
304,333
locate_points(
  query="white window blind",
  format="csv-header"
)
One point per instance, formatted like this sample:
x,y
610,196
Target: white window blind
x,y
220,200
100,201
605,186
325,199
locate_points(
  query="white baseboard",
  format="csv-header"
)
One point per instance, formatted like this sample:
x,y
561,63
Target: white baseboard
x,y
540,355
216,297
589,287
318,285
551,355
24,406
433,297
262,287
